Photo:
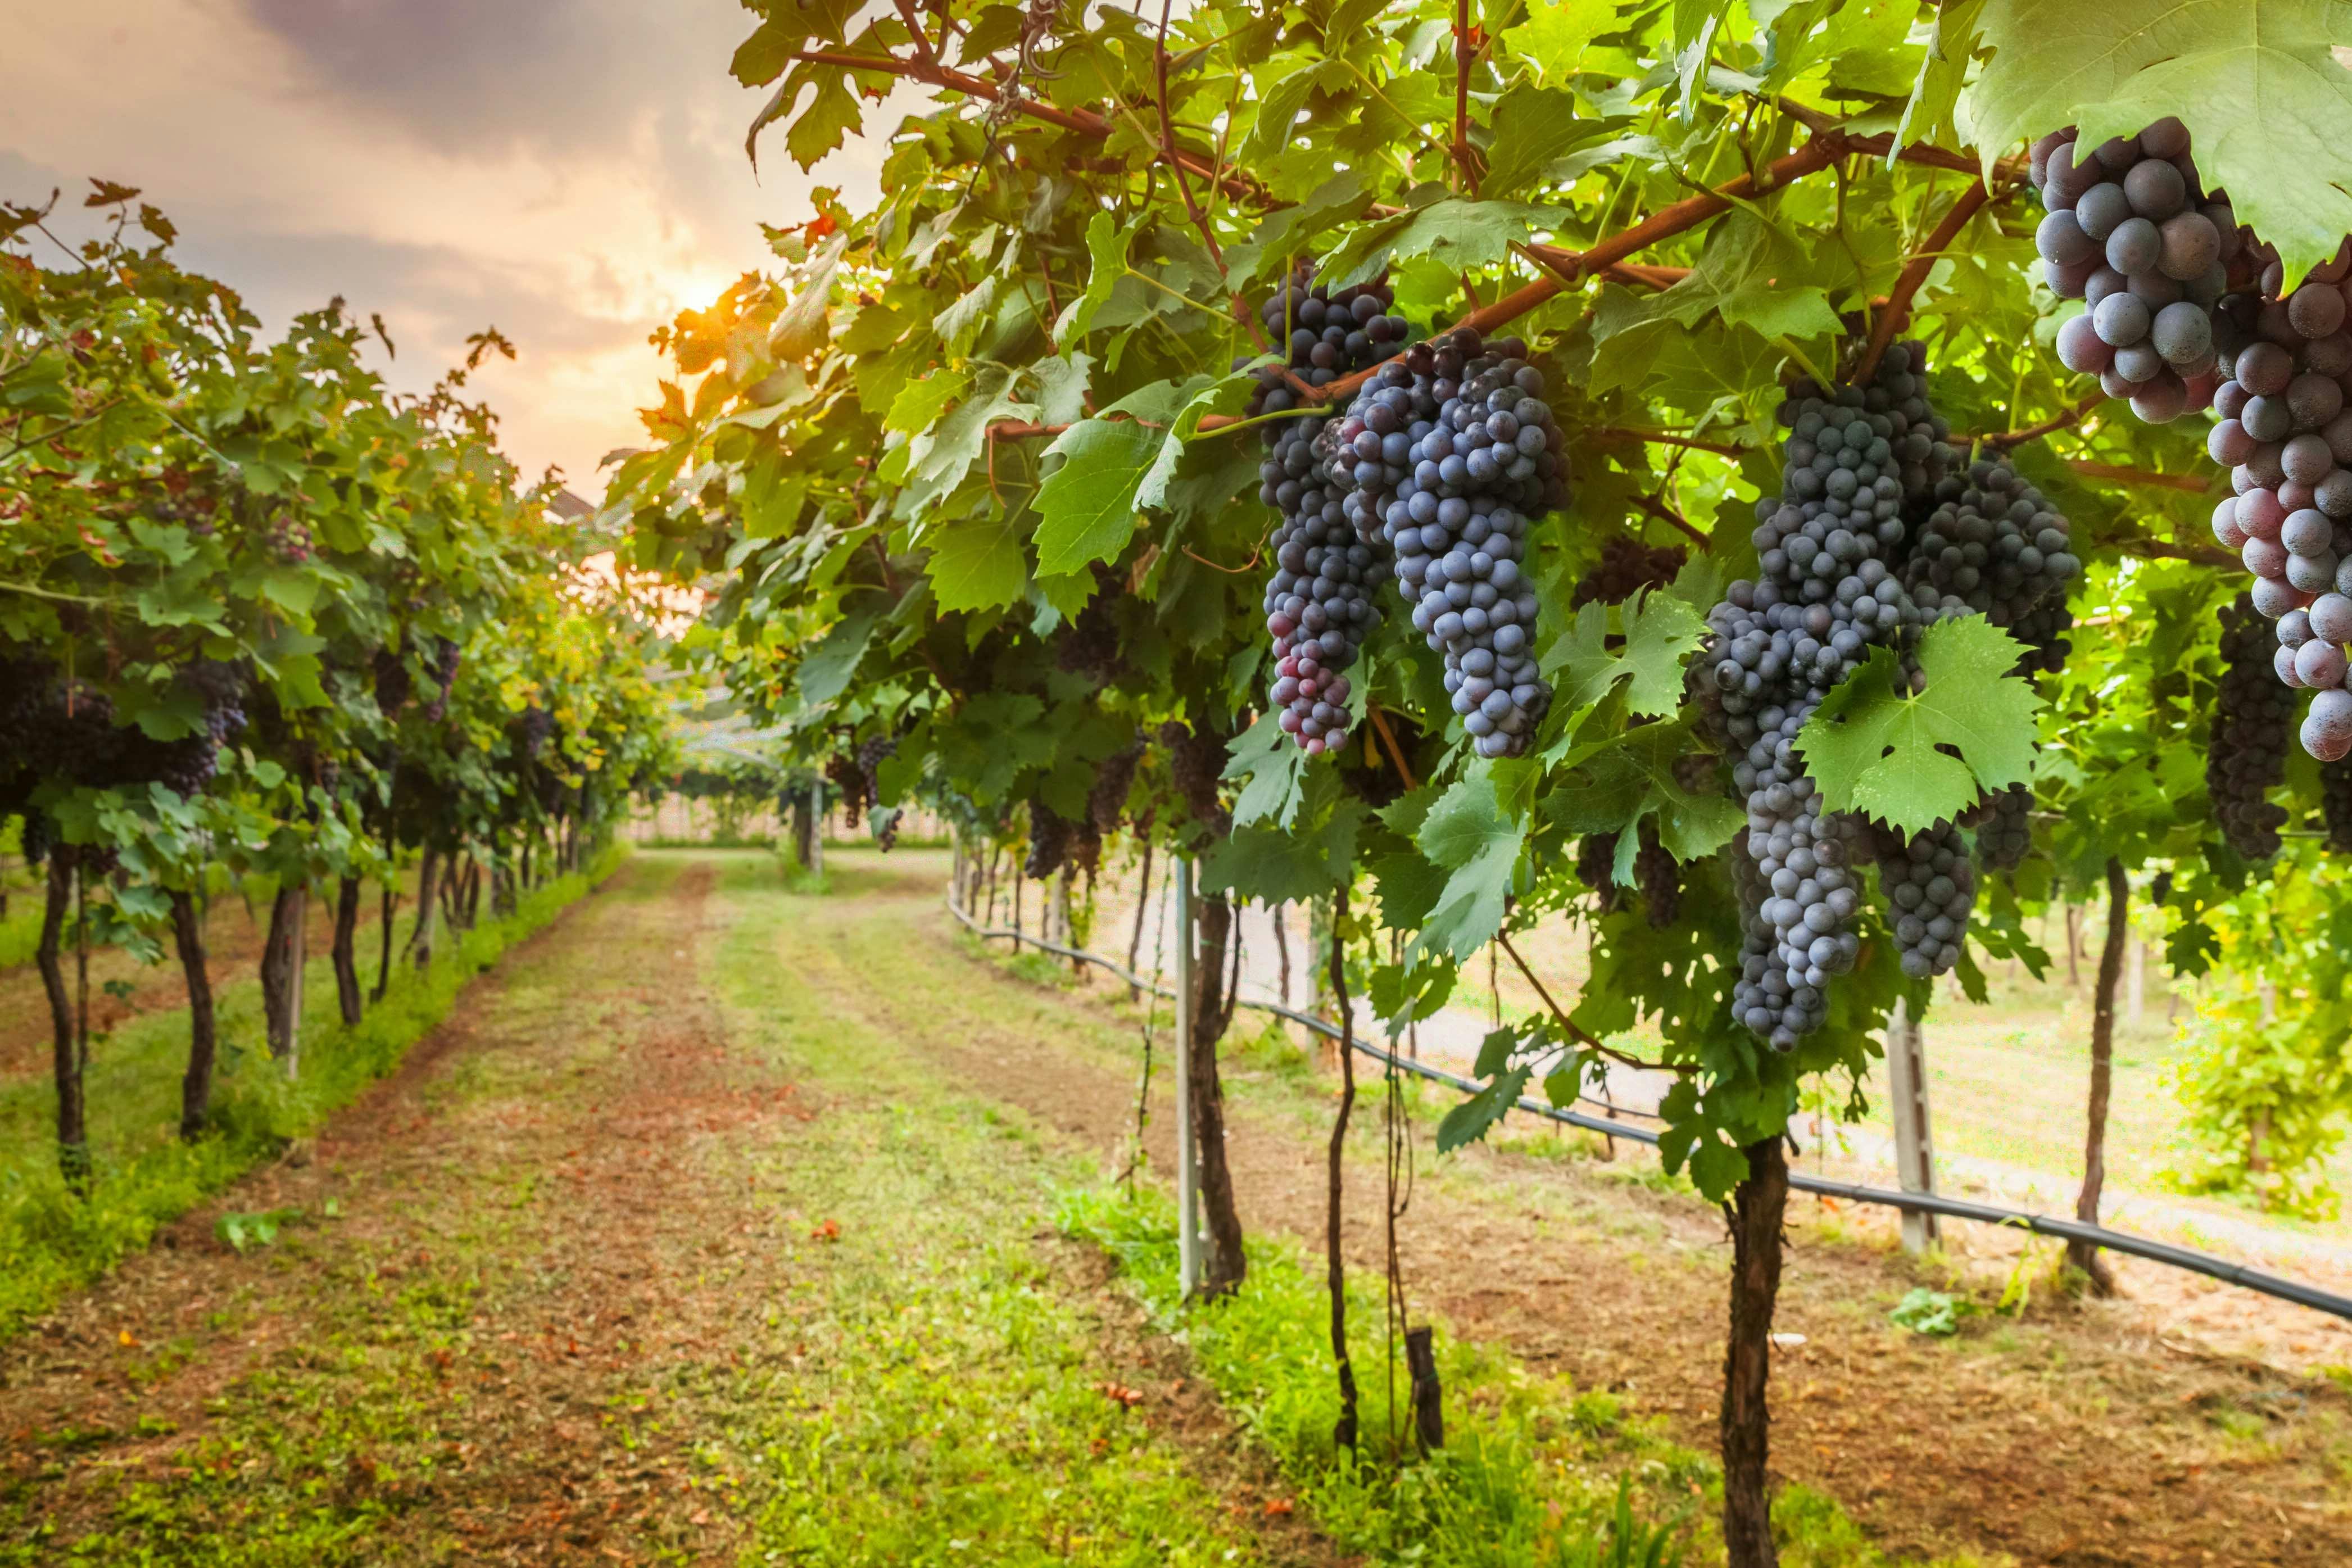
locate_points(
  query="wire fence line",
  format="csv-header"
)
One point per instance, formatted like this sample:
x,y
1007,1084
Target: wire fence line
x,y
2172,1257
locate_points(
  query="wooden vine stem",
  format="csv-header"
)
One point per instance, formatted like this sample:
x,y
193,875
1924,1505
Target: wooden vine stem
x,y
1891,316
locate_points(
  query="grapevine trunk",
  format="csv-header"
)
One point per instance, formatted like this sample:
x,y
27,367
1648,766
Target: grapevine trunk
x,y
1758,1206
1225,1266
73,1137
196,1086
2081,1253
346,957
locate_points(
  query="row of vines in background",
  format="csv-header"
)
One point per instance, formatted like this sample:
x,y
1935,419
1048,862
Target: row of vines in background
x,y
266,625
1199,384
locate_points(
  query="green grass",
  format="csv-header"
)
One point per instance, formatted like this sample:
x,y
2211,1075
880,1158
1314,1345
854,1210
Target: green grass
x,y
52,1242
20,929
947,1409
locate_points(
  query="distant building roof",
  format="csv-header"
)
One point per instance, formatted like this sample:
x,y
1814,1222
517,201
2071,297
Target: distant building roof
x,y
571,508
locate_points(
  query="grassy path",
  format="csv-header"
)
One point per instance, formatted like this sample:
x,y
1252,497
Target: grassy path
x,y
725,1225
2071,1436
636,1260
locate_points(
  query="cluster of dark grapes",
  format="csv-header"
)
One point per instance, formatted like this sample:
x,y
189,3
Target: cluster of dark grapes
x,y
58,728
394,683
2004,828
2130,231
1927,879
1324,336
532,728
2245,754
447,655
1659,875
2181,293
848,781
2287,437
1873,537
1449,454
872,752
2335,802
1596,867
1994,544
192,509
289,539
1627,566
1320,607
1318,602
1049,841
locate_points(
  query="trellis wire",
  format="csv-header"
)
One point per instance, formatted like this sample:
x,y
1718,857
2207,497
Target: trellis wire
x,y
2172,1256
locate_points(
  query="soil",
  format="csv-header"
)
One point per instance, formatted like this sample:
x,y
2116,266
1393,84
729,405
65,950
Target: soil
x,y
2080,1436
546,1157
233,942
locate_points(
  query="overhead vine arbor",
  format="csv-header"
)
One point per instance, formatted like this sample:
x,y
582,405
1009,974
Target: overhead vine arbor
x,y
1510,455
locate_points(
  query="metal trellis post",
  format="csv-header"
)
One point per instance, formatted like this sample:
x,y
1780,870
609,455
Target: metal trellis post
x,y
1188,1172
1914,1151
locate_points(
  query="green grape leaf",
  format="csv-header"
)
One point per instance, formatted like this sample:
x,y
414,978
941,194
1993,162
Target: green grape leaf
x,y
1459,234
1107,245
2257,82
1267,864
1471,1120
977,562
1878,750
827,671
1535,127
1088,504
1555,35
1275,768
1467,833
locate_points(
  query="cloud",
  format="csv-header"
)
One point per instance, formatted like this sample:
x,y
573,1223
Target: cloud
x,y
569,170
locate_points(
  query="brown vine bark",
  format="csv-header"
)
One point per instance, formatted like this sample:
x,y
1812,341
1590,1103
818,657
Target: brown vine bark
x,y
391,904
1225,1266
280,955
1755,1213
420,941
1335,1268
66,1060
345,951
203,1037
2081,1253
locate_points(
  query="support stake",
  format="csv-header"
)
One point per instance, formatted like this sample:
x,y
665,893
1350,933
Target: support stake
x,y
1914,1151
1188,1169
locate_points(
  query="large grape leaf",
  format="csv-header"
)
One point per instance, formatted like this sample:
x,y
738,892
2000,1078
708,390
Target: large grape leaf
x,y
1088,503
1466,234
1468,832
1555,35
2258,83
825,673
1275,866
1890,753
977,563
1506,1081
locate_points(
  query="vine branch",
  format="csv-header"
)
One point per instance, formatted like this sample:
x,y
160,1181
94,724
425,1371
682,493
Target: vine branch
x,y
1889,318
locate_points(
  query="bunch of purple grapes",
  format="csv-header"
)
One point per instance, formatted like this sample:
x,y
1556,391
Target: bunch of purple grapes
x,y
1318,600
2130,231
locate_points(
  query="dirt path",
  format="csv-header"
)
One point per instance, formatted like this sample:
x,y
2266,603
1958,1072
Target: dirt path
x,y
233,941
2070,1437
599,1276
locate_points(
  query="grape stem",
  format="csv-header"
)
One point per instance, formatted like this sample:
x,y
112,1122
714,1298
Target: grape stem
x,y
1168,153
2004,440
1611,1052
1896,311
1387,738
2123,476
1664,513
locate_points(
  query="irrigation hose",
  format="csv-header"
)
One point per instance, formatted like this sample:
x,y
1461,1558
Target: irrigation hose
x,y
2172,1256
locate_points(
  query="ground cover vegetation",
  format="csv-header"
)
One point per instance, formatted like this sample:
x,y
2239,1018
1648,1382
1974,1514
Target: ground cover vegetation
x,y
1459,464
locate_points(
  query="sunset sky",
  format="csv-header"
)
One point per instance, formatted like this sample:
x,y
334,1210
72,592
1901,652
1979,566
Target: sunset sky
x,y
571,171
